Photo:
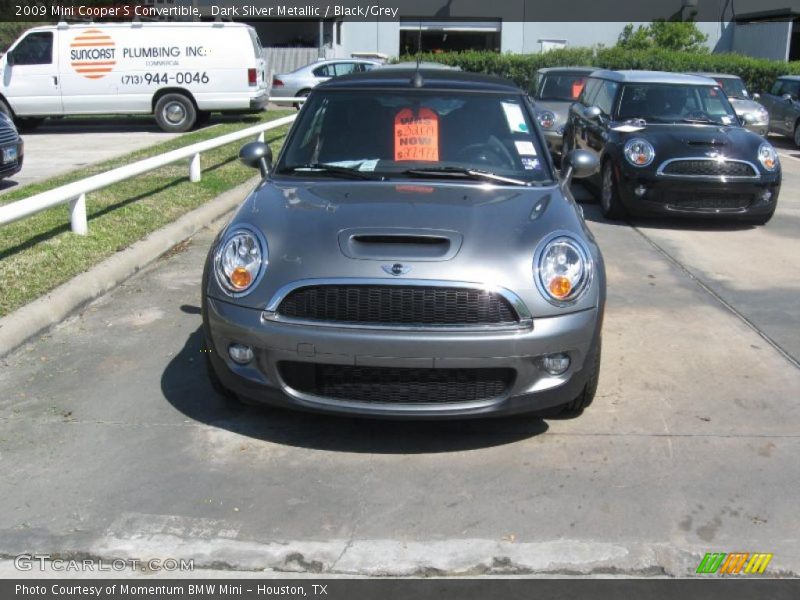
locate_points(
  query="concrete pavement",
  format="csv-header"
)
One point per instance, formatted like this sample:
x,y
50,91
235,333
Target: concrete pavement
x,y
112,443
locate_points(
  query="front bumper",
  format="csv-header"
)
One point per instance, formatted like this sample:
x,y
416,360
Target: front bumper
x,y
697,197
273,342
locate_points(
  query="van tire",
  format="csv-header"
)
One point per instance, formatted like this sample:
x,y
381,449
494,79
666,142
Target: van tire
x,y
175,113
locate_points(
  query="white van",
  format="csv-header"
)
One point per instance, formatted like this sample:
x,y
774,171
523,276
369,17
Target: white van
x,y
179,72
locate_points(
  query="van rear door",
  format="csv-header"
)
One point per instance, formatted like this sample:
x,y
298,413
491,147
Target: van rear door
x,y
31,81
264,80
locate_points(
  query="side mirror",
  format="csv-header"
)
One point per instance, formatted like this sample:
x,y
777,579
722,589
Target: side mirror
x,y
756,96
257,155
592,113
787,97
578,164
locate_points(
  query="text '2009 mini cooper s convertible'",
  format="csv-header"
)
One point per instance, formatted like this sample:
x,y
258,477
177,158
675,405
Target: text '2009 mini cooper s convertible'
x,y
412,253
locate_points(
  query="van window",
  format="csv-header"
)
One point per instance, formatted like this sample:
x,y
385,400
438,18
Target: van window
x,y
35,49
256,42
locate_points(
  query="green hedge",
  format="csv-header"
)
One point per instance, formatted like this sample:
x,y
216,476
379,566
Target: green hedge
x,y
757,73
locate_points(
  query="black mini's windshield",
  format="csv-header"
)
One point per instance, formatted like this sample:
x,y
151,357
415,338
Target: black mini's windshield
x,y
560,86
416,134
659,102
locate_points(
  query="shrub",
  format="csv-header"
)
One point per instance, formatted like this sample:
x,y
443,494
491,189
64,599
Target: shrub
x,y
757,73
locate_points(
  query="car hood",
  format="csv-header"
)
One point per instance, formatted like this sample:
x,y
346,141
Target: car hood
x,y
743,106
489,234
697,140
560,108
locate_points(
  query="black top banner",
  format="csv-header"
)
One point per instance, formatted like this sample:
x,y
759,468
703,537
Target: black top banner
x,y
396,10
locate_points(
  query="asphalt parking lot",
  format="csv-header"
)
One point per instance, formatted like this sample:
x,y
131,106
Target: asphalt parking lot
x,y
112,443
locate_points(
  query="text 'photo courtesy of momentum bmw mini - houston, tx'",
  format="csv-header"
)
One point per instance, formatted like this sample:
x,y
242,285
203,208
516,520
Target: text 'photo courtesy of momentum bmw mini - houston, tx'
x,y
412,253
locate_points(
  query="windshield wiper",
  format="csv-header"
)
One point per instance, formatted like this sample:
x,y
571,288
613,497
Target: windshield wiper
x,y
700,120
336,171
465,173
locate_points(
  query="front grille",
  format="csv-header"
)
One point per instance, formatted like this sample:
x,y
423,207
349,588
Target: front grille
x,y
709,168
708,200
394,385
398,305
8,137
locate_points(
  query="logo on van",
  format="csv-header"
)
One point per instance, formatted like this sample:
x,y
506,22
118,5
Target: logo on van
x,y
92,54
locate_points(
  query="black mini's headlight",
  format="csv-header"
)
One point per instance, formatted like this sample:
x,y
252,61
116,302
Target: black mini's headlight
x,y
768,156
639,152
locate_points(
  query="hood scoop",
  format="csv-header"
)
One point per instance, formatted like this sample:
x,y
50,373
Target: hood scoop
x,y
399,244
708,143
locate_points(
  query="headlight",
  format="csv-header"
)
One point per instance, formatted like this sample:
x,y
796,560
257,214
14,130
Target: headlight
x,y
563,270
546,119
639,152
240,260
768,157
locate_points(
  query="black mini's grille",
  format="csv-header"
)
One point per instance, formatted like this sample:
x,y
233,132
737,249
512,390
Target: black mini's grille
x,y
8,137
709,168
708,200
394,385
398,305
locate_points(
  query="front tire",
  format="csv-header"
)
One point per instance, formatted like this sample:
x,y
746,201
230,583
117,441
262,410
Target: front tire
x,y
175,113
610,201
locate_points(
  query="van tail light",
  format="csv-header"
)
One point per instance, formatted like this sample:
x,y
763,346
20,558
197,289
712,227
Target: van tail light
x,y
276,82
252,77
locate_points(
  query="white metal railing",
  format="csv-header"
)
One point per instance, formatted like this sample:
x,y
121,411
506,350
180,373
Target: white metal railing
x,y
297,100
75,193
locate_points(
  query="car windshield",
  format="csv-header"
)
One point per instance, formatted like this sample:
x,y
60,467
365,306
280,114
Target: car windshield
x,y
560,86
675,103
415,134
732,86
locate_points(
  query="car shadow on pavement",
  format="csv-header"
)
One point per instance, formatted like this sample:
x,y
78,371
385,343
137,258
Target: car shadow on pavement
x,y
593,214
185,385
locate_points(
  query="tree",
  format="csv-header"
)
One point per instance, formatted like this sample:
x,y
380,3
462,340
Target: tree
x,y
670,35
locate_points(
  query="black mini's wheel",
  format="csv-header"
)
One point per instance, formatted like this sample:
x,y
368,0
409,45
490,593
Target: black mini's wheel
x,y
610,202
26,124
175,113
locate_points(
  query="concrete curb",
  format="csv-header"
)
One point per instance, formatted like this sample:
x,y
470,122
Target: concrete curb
x,y
52,308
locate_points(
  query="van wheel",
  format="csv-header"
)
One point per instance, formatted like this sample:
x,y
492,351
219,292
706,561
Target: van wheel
x,y
26,124
175,113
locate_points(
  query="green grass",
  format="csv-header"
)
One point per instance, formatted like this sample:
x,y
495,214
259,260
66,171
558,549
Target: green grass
x,y
39,253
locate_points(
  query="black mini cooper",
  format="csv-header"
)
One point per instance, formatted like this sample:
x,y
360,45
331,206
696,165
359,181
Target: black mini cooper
x,y
672,144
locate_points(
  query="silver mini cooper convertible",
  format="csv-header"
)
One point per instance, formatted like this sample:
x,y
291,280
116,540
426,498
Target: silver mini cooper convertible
x,y
412,253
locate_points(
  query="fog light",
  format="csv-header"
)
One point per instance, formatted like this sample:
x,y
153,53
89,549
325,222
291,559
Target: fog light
x,y
240,353
766,196
640,191
556,364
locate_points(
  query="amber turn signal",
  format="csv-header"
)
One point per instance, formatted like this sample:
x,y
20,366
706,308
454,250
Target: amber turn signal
x,y
241,277
560,286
